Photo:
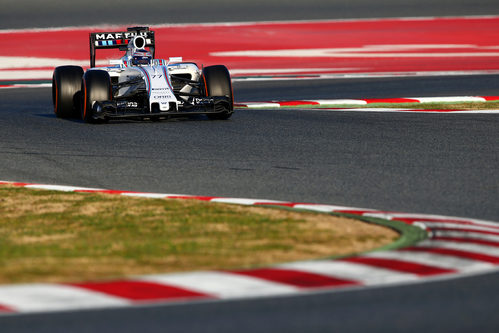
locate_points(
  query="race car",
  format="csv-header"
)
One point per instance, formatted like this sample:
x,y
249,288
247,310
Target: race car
x,y
139,86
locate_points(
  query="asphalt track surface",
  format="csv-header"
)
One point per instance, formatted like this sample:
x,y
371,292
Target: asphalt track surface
x,y
55,13
420,163
435,164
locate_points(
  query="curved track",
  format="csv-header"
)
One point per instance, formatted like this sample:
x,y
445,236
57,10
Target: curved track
x,y
29,13
441,164
437,164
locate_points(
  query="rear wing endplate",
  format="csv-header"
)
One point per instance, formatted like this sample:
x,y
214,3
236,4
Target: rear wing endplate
x,y
115,40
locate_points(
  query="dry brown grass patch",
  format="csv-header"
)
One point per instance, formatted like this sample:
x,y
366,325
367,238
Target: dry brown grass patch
x,y
53,236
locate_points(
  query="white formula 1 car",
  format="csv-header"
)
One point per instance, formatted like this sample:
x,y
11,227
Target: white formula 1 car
x,y
138,85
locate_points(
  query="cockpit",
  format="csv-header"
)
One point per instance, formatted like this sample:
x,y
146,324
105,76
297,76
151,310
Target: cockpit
x,y
141,58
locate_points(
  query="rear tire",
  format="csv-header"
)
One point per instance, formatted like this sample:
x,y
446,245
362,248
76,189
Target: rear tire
x,y
96,87
66,91
217,83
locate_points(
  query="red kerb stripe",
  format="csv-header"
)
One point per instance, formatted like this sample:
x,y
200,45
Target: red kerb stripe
x,y
491,98
20,184
4,308
296,278
456,253
140,291
399,265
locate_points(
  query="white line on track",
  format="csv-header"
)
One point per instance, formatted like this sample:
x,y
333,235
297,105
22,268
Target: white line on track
x,y
222,285
474,248
395,110
368,275
367,75
43,296
476,227
250,23
468,236
431,259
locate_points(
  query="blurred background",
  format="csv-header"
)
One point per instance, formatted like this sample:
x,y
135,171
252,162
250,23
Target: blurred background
x,y
39,13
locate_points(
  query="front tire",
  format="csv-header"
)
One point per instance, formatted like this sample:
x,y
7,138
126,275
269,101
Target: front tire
x,y
217,83
96,87
66,90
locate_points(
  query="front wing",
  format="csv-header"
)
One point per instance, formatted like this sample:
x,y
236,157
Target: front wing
x,y
123,108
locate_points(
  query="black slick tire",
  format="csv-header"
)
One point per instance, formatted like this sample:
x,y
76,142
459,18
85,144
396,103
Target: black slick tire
x,y
217,83
66,91
96,87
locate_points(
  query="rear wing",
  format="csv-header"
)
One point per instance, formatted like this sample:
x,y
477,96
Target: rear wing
x,y
115,40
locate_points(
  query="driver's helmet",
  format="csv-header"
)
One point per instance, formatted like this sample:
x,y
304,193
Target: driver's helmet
x,y
141,58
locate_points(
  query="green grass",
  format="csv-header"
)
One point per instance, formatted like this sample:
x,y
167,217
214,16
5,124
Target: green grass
x,y
59,236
